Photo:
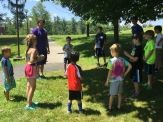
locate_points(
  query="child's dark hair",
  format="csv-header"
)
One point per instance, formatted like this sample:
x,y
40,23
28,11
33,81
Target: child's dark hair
x,y
158,27
68,38
74,56
100,28
5,49
40,20
136,37
134,18
150,33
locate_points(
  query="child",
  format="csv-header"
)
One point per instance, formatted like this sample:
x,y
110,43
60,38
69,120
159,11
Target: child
x,y
74,82
149,56
116,74
31,69
67,48
100,40
136,59
8,73
159,47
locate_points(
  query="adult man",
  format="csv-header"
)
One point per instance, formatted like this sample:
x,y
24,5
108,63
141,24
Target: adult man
x,y
42,44
137,30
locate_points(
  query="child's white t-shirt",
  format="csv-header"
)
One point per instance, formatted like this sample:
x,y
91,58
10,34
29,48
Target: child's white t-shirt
x,y
158,37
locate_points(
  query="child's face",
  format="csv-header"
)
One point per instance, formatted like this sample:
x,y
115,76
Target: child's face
x,y
146,37
7,54
113,53
68,41
157,31
135,41
134,21
41,24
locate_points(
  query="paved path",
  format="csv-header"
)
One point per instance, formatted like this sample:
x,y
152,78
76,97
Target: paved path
x,y
55,61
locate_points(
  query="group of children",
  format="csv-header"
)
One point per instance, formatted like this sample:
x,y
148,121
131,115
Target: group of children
x,y
116,65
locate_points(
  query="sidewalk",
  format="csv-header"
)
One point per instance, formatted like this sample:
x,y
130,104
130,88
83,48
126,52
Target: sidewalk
x,y
54,62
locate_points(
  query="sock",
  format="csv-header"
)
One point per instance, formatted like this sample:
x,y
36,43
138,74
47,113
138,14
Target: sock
x,y
80,106
69,106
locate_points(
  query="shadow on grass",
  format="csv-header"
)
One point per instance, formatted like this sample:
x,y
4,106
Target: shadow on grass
x,y
89,112
49,105
54,77
147,106
19,98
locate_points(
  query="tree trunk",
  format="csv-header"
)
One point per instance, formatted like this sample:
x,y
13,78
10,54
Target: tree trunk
x,y
87,29
116,30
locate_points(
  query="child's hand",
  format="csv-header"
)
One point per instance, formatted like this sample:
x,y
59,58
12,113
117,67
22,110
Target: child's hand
x,y
106,84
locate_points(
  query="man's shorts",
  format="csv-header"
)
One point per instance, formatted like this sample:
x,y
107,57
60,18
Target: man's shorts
x,y
100,52
136,75
149,69
66,60
116,88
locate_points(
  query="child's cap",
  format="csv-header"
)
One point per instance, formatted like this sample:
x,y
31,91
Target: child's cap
x,y
74,56
150,33
116,47
158,27
5,48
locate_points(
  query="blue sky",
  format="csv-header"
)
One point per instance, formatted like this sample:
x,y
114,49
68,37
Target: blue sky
x,y
57,10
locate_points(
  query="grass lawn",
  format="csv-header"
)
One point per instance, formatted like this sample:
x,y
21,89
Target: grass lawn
x,y
52,94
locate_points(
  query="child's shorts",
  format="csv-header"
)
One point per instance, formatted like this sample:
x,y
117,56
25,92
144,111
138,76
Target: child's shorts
x,y
136,75
75,95
66,60
30,71
100,52
149,69
116,88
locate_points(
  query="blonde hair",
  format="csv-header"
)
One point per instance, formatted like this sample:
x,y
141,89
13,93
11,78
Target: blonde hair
x,y
5,49
116,48
30,38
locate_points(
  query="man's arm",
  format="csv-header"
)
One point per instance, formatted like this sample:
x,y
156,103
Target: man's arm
x,y
134,59
161,40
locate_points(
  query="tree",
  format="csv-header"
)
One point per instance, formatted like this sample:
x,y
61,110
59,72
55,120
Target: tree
x,y
73,26
39,12
114,11
82,26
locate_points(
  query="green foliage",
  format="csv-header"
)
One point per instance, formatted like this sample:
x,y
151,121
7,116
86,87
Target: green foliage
x,y
39,12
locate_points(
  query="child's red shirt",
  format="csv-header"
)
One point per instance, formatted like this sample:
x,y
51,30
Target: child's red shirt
x,y
73,75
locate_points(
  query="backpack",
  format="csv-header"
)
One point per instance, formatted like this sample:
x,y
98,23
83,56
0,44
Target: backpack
x,y
118,67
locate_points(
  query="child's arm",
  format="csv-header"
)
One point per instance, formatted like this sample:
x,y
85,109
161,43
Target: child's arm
x,y
129,67
134,59
7,74
148,56
161,40
33,57
108,78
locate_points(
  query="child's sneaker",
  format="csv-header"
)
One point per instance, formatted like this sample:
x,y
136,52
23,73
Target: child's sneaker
x,y
34,104
69,112
29,107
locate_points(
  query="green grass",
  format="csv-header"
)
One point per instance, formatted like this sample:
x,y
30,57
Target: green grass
x,y
51,93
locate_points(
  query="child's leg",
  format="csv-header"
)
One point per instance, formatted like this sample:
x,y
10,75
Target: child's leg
x,y
80,105
69,104
7,95
28,87
119,101
111,101
32,83
136,86
150,79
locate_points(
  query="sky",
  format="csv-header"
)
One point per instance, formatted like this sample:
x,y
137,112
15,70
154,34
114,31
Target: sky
x,y
58,10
